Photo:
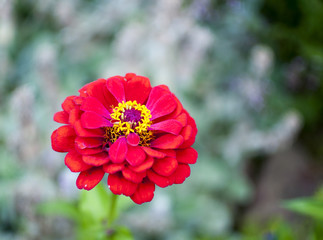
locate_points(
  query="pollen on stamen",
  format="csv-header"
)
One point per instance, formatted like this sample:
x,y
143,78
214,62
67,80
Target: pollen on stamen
x,y
130,117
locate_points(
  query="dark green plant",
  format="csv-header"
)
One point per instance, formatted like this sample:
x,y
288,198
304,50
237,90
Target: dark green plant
x,y
309,226
293,30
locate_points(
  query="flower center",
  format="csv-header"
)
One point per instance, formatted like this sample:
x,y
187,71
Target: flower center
x,y
130,117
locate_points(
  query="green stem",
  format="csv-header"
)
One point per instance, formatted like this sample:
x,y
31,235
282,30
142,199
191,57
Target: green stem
x,y
112,211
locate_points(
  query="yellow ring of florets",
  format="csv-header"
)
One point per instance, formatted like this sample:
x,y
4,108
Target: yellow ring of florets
x,y
123,128
128,127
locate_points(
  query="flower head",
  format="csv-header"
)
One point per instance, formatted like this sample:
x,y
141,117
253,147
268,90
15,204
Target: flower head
x,y
141,136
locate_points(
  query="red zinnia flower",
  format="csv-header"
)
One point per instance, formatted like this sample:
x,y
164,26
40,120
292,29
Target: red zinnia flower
x,y
139,135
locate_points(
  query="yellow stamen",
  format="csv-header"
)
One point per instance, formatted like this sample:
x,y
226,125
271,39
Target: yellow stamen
x,y
122,128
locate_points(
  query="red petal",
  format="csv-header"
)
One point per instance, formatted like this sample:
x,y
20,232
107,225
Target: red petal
x,y
165,87
182,172
113,167
165,166
88,151
188,156
74,162
170,126
83,142
98,89
133,176
167,141
96,159
75,114
90,178
92,104
188,135
116,86
118,150
178,109
133,139
159,180
144,193
61,117
135,155
163,106
119,185
144,166
129,76
78,100
92,120
63,139
182,118
83,132
168,152
68,104
189,132
155,94
153,153
190,120
138,88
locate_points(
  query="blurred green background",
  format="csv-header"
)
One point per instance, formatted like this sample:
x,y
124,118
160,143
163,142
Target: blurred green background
x,y
250,73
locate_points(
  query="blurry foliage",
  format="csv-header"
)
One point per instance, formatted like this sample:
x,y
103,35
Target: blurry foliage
x,y
311,206
293,29
248,71
91,214
310,226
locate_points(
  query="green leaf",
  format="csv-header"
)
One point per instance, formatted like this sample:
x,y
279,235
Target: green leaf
x,y
319,194
308,206
94,204
95,231
122,233
282,230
